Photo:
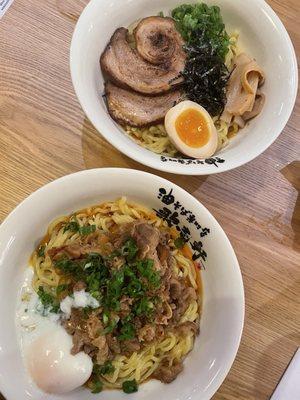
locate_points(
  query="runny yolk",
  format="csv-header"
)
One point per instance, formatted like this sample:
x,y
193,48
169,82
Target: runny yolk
x,y
192,128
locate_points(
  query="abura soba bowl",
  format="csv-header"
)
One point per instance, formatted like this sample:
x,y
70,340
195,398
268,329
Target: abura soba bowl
x,y
222,318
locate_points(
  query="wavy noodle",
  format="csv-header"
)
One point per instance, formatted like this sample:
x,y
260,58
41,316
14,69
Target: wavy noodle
x,y
140,366
233,50
185,268
106,216
155,137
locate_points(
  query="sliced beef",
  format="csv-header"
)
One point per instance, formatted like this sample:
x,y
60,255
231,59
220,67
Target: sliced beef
x,y
176,289
125,306
167,373
186,327
113,344
163,252
189,294
73,251
158,41
147,238
74,322
130,346
102,353
90,239
76,326
159,331
78,286
94,325
164,238
81,342
182,298
86,335
147,333
164,290
164,313
138,323
134,109
89,349
127,68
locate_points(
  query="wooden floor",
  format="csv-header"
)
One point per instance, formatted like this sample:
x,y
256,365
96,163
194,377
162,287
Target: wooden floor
x,y
44,134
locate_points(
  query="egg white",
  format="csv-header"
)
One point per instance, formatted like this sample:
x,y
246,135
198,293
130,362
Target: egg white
x,y
52,366
205,151
46,346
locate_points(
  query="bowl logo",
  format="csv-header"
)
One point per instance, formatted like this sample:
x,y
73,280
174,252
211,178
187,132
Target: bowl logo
x,y
170,212
192,161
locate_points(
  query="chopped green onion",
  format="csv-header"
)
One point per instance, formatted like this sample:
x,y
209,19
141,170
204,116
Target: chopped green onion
x,y
87,229
97,386
41,251
72,226
61,288
130,386
179,242
129,249
105,369
48,300
127,331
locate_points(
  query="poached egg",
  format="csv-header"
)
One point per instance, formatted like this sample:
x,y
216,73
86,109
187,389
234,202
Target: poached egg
x,y
52,366
191,130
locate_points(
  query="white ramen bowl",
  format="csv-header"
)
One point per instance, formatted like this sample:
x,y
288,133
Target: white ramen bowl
x,y
223,308
262,35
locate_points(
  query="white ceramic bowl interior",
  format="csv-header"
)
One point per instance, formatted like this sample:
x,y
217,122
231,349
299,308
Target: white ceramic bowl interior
x,y
223,308
262,35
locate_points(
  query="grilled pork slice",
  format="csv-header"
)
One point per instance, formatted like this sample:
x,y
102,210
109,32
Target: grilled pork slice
x,y
128,69
131,108
159,42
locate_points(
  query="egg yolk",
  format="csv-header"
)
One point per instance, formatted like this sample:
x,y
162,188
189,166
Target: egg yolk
x,y
192,128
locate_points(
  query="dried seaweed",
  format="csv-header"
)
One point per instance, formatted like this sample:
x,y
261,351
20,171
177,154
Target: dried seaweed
x,y
205,76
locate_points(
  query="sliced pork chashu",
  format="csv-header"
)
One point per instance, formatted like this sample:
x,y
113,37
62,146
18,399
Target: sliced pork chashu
x,y
128,69
159,42
131,108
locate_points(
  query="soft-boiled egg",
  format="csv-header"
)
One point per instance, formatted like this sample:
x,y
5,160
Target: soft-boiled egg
x,y
191,130
52,366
